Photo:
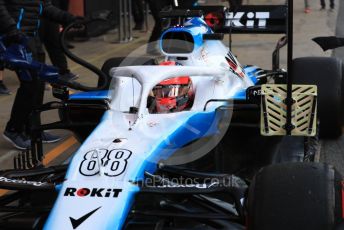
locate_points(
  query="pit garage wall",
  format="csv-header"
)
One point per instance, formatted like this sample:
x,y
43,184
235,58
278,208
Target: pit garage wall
x,y
76,7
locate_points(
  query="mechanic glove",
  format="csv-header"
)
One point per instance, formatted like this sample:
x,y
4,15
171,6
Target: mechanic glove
x,y
14,37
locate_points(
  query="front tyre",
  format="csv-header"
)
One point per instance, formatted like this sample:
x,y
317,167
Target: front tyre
x,y
295,196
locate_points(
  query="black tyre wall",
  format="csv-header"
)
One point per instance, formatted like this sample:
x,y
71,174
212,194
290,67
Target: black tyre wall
x,y
326,73
295,196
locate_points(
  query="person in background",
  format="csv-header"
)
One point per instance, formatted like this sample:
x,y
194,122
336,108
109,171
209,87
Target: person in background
x,y
307,9
50,36
137,8
156,7
3,88
323,5
20,19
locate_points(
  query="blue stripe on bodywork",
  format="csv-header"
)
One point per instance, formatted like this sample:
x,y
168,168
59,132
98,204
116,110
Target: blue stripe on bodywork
x,y
93,95
240,95
195,127
250,72
105,95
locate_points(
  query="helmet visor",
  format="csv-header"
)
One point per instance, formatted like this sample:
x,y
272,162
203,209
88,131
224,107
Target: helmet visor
x,y
170,91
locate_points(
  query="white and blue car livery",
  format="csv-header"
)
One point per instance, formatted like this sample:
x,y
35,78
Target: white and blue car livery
x,y
100,184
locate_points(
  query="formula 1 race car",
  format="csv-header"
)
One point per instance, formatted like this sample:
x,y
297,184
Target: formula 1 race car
x,y
149,152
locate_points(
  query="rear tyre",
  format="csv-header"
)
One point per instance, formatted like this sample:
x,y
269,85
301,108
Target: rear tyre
x,y
295,196
326,73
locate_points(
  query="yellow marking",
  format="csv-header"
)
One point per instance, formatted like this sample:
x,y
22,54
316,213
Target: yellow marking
x,y
58,150
50,156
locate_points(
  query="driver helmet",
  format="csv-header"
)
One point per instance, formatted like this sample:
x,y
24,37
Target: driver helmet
x,y
173,95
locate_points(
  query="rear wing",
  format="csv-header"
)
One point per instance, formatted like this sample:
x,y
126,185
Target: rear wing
x,y
255,19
